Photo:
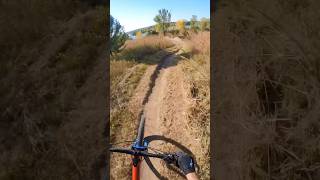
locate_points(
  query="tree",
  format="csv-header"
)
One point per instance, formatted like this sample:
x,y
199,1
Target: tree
x,y
180,24
163,20
157,28
193,23
204,23
117,36
138,34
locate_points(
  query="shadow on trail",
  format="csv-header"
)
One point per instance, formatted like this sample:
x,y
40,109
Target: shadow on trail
x,y
151,138
164,63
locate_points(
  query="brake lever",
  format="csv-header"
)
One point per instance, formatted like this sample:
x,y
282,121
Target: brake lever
x,y
171,159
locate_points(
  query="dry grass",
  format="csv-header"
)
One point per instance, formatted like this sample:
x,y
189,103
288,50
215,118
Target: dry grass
x,y
196,44
124,77
269,97
197,75
139,48
155,41
201,42
48,54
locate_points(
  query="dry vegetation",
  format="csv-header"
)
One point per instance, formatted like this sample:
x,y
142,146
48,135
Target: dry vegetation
x,y
129,66
124,77
267,79
139,48
197,75
48,52
126,70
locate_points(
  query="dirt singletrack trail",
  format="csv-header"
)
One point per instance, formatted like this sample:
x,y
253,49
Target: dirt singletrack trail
x,y
165,108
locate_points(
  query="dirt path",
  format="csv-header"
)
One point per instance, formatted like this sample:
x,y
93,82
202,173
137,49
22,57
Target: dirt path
x,y
165,110
153,110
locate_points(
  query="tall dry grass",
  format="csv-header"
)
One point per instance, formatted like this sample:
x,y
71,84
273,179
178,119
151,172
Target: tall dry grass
x,y
268,77
49,49
139,48
201,42
124,77
197,75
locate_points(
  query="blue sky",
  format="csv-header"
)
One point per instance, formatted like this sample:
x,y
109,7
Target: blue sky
x,y
134,14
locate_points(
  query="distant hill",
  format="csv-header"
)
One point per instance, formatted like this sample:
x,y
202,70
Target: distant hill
x,y
140,29
172,24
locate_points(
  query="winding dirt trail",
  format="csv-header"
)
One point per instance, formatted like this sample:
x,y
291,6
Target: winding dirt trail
x,y
153,111
165,110
166,113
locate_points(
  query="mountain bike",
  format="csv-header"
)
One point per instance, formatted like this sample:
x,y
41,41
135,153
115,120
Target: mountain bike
x,y
139,150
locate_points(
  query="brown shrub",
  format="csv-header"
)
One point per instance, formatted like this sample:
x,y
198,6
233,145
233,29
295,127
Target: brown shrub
x,y
201,42
137,49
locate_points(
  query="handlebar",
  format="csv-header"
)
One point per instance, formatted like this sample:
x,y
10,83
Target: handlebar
x,y
169,158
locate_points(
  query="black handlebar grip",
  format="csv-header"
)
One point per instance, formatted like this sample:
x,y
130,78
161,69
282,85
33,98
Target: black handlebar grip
x,y
138,153
122,150
142,153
